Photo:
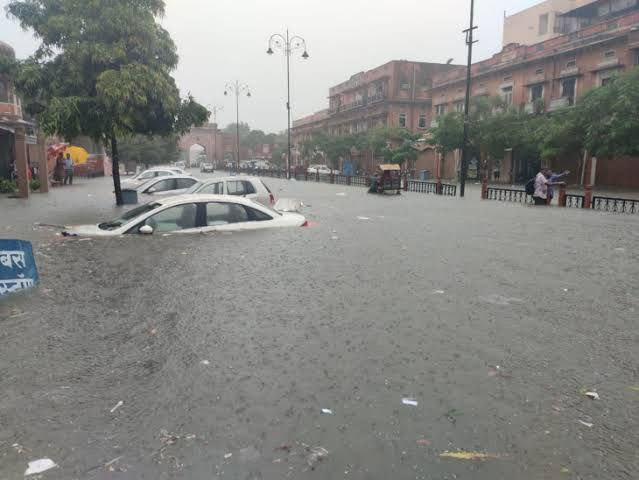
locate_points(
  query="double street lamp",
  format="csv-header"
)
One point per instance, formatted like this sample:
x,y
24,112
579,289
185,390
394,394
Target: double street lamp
x,y
237,89
287,45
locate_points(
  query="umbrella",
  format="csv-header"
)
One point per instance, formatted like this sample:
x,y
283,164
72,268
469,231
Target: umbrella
x,y
78,154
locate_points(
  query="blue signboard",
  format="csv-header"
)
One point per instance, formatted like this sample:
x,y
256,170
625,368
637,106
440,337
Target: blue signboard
x,y
348,169
17,266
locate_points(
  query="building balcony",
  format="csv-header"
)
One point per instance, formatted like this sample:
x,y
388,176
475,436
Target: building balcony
x,y
569,72
607,64
378,97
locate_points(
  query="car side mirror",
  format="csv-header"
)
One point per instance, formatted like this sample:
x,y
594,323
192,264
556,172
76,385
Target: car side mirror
x,y
146,230
151,190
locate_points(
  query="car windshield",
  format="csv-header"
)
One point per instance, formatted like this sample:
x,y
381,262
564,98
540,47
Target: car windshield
x,y
196,186
128,216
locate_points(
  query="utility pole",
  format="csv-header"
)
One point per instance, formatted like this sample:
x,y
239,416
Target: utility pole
x,y
287,44
466,147
214,110
238,89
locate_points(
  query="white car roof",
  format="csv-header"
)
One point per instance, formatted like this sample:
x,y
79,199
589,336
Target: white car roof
x,y
159,179
227,179
203,198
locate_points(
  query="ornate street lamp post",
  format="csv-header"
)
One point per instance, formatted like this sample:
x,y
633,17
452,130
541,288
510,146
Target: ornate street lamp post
x,y
238,89
287,45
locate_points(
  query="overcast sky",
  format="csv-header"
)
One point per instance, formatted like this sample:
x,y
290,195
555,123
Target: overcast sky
x,y
221,41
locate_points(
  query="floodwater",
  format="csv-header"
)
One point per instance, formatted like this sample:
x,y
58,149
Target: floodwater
x,y
224,349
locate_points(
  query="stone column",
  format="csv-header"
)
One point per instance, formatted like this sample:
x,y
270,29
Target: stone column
x,y
562,194
21,162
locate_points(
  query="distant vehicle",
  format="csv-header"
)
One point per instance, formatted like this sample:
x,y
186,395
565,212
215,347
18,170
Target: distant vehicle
x,y
180,164
206,167
262,165
147,175
191,214
387,179
172,185
323,170
249,187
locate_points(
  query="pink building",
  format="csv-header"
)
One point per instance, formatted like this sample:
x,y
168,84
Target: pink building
x,y
396,94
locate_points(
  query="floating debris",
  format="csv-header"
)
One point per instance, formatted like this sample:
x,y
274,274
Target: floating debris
x,y
363,218
586,424
592,395
411,402
316,455
327,411
424,442
205,362
227,456
40,466
117,405
461,455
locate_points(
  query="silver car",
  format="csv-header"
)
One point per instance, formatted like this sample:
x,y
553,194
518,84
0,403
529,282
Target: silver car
x,y
249,187
171,185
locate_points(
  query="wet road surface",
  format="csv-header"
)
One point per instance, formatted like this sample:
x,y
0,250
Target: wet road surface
x,y
224,349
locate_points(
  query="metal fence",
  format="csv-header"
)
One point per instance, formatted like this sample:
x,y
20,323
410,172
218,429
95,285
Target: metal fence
x,y
508,195
574,201
421,186
617,205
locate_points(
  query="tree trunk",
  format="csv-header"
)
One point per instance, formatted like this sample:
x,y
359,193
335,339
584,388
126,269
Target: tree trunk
x,y
115,158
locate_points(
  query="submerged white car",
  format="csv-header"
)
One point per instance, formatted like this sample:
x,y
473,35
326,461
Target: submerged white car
x,y
150,174
248,187
171,185
191,214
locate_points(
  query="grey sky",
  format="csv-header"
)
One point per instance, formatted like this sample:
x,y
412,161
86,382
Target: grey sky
x,y
220,41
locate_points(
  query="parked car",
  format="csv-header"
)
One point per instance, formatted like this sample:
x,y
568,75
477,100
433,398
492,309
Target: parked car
x,y
191,214
206,167
146,175
180,165
173,185
249,187
323,170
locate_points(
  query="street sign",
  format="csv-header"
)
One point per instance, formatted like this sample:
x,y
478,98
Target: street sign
x,y
18,269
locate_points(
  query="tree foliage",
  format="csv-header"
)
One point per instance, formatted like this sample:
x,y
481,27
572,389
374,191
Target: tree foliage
x,y
149,150
605,122
103,69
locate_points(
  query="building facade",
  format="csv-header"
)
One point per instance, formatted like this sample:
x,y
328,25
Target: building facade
x,y
396,94
540,22
552,74
20,147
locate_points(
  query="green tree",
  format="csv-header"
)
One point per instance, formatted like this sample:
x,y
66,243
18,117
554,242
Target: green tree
x,y
103,69
609,117
149,150
245,129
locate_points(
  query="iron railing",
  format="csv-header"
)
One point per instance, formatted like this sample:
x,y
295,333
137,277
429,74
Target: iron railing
x,y
421,186
617,205
508,195
574,201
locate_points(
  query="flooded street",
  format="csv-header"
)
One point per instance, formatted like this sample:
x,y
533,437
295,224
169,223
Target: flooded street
x,y
224,349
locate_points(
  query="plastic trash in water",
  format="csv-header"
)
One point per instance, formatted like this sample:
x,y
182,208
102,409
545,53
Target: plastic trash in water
x,y
411,402
362,218
340,194
461,455
592,395
586,424
205,362
227,456
117,405
40,466
327,411
316,455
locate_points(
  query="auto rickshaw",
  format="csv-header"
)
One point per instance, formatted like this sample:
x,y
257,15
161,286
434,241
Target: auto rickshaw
x,y
387,179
